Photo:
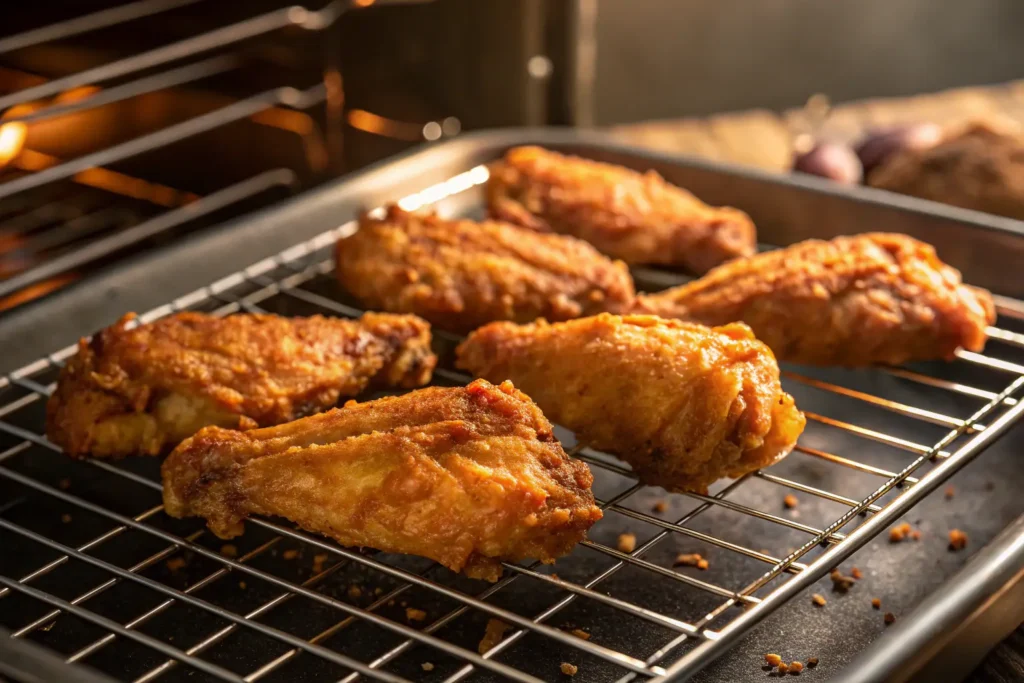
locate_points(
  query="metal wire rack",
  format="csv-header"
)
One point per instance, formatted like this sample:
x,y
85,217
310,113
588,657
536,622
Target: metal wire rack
x,y
106,537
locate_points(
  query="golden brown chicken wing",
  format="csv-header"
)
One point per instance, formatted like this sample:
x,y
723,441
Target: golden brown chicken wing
x,y
853,301
138,390
462,274
466,476
636,217
682,403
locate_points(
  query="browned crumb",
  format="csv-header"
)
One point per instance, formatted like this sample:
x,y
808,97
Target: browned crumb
x,y
355,591
856,574
772,659
950,492
241,584
702,564
790,501
899,533
569,669
413,614
876,603
66,518
492,635
580,633
839,582
889,618
687,560
176,563
228,550
290,554
812,662
427,666
378,591
795,668
391,603
660,506
64,484
318,562
915,535
957,540
783,668
818,599
627,543
403,603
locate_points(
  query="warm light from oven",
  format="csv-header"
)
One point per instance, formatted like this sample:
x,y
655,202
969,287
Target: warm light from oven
x,y
12,139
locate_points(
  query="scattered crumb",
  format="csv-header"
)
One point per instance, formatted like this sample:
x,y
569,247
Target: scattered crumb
x,y
378,591
950,492
580,633
176,563
66,518
795,668
241,584
228,550
783,668
839,582
702,564
660,506
915,535
64,484
355,591
555,576
957,540
856,574
812,662
427,666
627,543
391,603
688,560
889,618
492,635
413,614
290,554
898,534
818,599
876,603
790,501
403,603
569,669
772,659
318,562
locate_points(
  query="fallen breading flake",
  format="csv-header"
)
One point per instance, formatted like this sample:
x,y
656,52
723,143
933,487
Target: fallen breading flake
x,y
818,599
290,554
773,659
783,668
492,635
687,560
790,501
176,563
702,564
795,668
64,484
957,540
66,518
627,543
915,535
378,591
950,492
899,533
427,666
841,583
876,603
660,506
580,633
812,662
413,614
228,550
355,591
889,618
856,574
242,585
318,562
569,669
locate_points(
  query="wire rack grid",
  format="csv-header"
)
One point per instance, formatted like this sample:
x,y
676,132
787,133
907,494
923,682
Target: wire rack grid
x,y
300,281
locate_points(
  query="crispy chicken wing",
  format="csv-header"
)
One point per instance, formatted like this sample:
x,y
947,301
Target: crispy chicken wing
x,y
466,476
852,301
682,403
138,390
636,217
462,274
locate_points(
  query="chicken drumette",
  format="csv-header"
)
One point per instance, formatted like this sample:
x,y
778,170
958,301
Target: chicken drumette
x,y
467,476
682,403
460,274
852,301
140,389
636,217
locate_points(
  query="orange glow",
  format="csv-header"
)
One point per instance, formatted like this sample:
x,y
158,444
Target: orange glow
x,y
35,291
285,119
12,139
363,3
379,125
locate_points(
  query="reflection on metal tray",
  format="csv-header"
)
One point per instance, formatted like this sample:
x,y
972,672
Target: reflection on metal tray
x,y
93,569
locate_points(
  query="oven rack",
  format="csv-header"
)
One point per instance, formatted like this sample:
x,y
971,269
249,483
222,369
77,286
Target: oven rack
x,y
185,62
292,277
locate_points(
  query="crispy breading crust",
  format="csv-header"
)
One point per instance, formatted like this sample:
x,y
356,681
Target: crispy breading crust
x,y
852,301
462,274
639,218
466,476
683,404
140,389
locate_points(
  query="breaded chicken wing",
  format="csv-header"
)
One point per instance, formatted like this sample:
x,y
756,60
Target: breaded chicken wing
x,y
467,476
139,390
636,217
852,301
462,274
682,403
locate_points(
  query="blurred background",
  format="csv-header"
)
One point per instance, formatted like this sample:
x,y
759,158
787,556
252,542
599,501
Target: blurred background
x,y
128,124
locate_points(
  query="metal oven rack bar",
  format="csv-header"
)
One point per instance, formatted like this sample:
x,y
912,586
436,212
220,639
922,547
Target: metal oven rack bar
x,y
288,275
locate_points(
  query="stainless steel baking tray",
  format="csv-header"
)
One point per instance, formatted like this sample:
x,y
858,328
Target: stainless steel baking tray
x,y
89,565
